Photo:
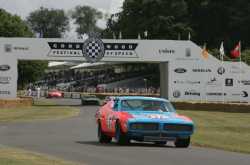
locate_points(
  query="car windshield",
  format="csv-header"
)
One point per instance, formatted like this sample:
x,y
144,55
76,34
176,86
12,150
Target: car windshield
x,y
146,105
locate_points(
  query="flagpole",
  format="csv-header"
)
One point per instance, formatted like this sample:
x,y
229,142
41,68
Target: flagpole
x,y
223,83
240,67
222,53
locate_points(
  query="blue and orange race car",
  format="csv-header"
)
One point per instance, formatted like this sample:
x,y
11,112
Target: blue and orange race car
x,y
142,119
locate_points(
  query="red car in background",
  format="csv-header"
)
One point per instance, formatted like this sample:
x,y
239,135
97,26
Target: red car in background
x,y
55,94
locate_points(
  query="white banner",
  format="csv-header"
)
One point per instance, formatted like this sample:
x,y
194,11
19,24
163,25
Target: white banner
x,y
8,77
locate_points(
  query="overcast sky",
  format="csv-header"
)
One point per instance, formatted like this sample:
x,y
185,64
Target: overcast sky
x,y
24,7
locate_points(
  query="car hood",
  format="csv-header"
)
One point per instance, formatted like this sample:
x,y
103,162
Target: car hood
x,y
170,117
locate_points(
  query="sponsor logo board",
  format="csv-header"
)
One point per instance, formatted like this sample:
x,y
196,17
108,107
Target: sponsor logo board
x,y
213,82
229,82
215,94
4,67
5,80
192,93
5,92
202,70
93,49
221,70
180,70
242,94
167,51
244,82
186,82
176,94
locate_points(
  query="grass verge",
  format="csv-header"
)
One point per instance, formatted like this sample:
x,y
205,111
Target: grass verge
x,y
222,130
40,111
19,157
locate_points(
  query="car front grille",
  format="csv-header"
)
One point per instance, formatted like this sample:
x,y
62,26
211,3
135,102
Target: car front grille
x,y
145,126
178,127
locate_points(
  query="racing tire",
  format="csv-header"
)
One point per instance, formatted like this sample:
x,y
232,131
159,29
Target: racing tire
x,y
182,143
102,138
121,138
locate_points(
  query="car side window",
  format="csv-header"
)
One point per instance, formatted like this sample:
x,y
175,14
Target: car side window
x,y
115,108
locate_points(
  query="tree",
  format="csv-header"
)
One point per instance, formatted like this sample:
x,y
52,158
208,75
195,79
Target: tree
x,y
30,71
14,26
163,19
50,23
86,17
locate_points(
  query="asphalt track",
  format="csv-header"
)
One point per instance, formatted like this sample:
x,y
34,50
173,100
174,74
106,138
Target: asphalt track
x,y
75,139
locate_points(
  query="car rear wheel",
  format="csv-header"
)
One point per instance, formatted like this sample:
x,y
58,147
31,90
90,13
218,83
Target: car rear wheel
x,y
102,138
121,138
182,143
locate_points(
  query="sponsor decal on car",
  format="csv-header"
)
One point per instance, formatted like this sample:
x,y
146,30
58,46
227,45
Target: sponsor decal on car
x,y
157,116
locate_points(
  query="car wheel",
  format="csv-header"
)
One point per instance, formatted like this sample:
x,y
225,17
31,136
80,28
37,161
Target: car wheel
x,y
161,143
182,143
102,138
120,137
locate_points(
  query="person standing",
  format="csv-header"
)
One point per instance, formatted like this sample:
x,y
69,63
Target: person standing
x,y
38,90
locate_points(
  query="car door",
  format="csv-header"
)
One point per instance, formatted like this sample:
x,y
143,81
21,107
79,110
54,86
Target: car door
x,y
111,117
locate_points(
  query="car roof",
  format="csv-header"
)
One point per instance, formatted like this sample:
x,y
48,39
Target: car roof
x,y
141,98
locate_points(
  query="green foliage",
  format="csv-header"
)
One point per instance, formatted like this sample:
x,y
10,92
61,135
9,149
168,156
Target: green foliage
x,y
86,17
246,56
12,26
50,23
163,19
30,71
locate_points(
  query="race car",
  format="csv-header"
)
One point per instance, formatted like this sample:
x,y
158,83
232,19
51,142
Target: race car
x,y
55,94
90,100
145,119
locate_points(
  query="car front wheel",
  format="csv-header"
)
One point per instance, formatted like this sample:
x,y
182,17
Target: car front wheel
x,y
182,143
102,138
120,137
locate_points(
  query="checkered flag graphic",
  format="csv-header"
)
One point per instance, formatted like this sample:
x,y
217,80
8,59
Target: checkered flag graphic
x,y
93,49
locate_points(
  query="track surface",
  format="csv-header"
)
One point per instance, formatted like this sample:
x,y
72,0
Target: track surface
x,y
75,139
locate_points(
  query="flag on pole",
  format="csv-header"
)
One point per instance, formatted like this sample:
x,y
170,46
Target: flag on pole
x,y
139,36
236,52
114,37
120,35
146,34
222,52
204,52
189,36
